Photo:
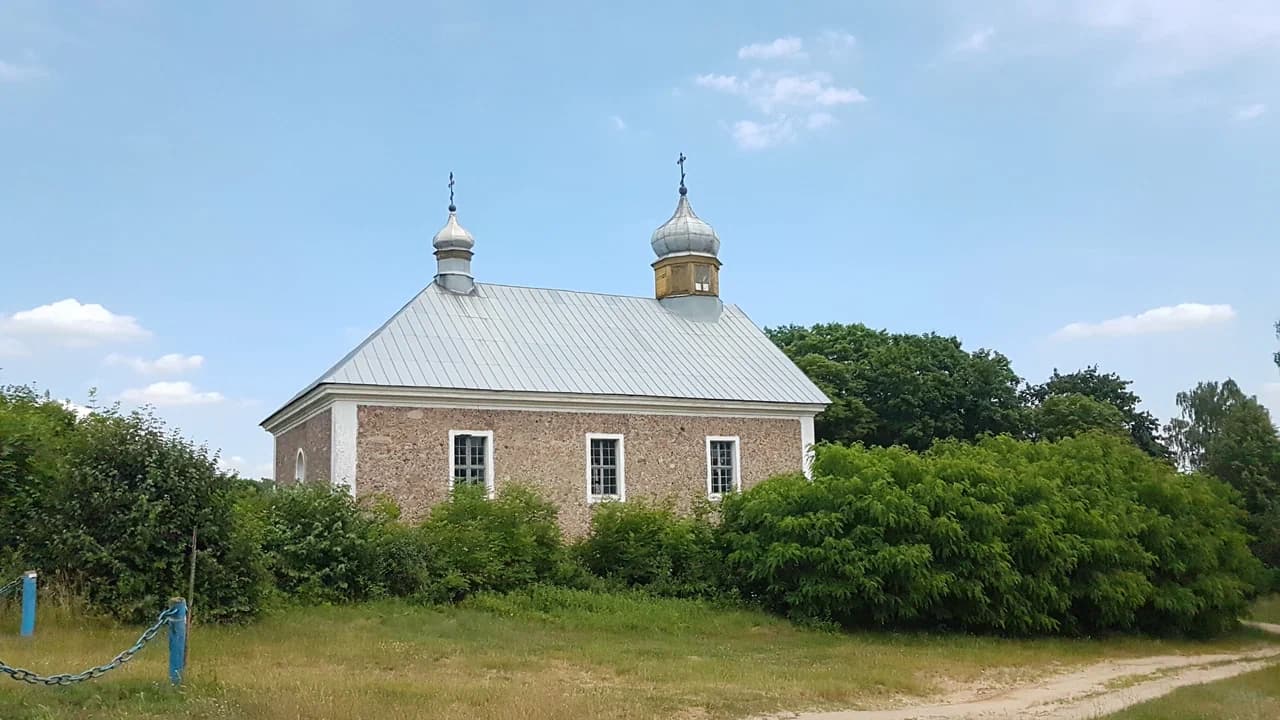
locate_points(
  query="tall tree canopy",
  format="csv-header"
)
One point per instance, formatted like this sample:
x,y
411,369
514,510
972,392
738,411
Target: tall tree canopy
x,y
902,389
1229,435
1110,389
1071,414
1204,413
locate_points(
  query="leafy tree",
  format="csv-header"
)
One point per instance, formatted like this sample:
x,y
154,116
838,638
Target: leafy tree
x,y
1244,452
1064,416
1107,388
1230,435
902,389
1204,410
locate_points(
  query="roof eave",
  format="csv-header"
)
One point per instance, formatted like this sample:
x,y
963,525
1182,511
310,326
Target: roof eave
x,y
319,396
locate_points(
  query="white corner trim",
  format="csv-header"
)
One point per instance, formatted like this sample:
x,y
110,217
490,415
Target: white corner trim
x,y
306,412
488,458
622,467
806,446
737,464
342,444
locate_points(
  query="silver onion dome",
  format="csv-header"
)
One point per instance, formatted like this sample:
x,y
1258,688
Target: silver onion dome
x,y
453,236
685,232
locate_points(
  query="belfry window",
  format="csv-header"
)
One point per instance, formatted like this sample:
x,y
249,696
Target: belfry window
x,y
702,278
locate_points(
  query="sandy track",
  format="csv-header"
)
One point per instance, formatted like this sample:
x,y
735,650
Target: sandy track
x,y
1090,692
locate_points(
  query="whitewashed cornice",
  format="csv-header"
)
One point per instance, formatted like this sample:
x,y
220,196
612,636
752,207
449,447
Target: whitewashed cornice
x,y
321,397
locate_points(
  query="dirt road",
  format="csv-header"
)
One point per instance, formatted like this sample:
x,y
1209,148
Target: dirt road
x,y
1089,692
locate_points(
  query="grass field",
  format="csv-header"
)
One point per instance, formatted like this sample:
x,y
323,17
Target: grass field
x,y
1252,696
547,653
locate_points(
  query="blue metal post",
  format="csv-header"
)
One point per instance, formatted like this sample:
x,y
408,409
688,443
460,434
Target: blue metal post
x,y
29,603
177,640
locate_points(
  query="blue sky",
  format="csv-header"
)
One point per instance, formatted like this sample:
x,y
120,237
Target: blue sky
x,y
203,206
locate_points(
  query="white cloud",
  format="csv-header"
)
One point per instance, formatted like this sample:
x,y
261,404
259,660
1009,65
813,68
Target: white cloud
x,y
1251,112
618,123
751,135
73,323
976,41
163,394
12,347
81,411
786,103
15,72
1169,38
723,83
819,120
1170,318
783,47
837,42
170,364
777,92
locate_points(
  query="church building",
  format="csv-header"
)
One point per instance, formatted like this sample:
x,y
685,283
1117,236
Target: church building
x,y
585,397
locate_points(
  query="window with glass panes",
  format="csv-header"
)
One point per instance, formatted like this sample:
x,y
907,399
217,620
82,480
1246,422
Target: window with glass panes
x,y
721,459
469,458
604,467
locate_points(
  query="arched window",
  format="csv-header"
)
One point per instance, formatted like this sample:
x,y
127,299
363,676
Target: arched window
x,y
300,467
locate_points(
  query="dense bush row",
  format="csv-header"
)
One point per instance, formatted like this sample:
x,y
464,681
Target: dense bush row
x,y
1080,536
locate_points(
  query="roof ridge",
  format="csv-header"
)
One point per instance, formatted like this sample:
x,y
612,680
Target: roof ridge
x,y
579,292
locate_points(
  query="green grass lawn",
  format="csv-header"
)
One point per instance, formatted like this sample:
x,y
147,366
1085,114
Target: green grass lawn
x,y
546,653
1267,610
1252,696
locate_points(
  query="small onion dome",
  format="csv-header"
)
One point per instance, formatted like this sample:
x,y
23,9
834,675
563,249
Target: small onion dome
x,y
685,232
453,236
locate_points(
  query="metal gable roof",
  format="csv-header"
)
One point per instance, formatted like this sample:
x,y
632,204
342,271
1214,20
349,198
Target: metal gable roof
x,y
534,340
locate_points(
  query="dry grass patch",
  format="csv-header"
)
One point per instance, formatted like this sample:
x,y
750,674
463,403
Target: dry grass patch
x,y
543,654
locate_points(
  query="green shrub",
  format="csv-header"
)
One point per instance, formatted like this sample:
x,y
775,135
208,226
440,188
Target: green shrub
x,y
471,544
112,518
655,549
34,433
1082,536
321,545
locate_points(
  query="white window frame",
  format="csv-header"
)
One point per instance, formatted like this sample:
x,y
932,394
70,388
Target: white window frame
x,y
737,463
488,458
300,467
622,468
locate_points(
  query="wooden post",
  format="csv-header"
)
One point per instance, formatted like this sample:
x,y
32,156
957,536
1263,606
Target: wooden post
x,y
191,581
29,603
177,640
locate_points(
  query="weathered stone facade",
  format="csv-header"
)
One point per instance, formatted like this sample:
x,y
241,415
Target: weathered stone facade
x,y
313,438
403,452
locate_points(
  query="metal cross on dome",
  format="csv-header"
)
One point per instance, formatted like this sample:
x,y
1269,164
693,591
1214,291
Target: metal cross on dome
x,y
680,162
451,206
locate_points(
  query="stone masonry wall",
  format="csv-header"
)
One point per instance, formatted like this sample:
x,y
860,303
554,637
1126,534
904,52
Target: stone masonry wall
x,y
403,452
312,437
